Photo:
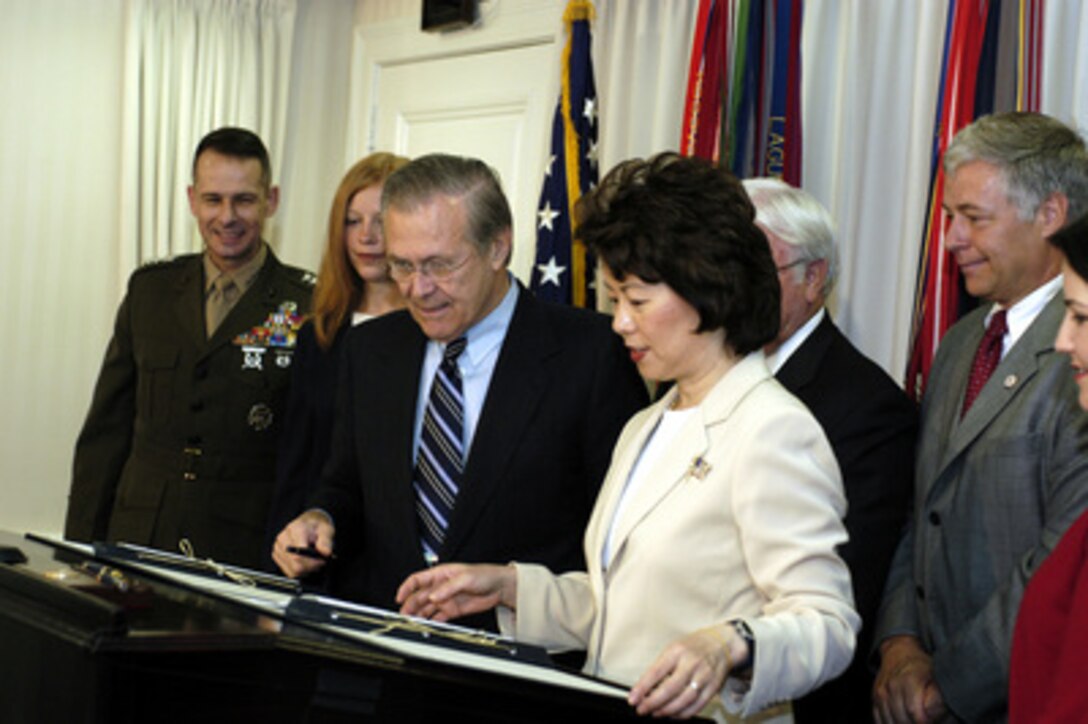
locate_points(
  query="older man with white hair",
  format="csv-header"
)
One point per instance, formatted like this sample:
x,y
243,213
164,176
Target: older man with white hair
x,y
867,417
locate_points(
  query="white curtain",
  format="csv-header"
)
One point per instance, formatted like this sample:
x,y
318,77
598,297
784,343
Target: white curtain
x,y
313,158
641,50
191,66
869,80
1065,62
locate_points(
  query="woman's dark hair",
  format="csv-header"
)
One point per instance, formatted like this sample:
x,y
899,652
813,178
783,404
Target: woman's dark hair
x,y
688,223
1073,242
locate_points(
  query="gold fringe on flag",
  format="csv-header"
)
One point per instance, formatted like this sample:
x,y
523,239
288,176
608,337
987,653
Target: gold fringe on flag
x,y
576,10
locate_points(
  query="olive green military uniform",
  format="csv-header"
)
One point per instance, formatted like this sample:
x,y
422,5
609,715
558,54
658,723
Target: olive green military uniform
x,y
180,441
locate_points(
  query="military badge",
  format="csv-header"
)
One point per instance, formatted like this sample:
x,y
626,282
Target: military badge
x,y
260,417
253,358
279,331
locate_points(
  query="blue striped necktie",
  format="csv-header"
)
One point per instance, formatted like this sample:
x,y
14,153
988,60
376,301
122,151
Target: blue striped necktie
x,y
440,462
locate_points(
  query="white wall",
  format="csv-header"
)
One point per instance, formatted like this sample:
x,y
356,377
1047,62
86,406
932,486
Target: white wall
x,y
62,272
60,63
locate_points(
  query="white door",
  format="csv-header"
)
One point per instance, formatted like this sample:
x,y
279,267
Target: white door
x,y
491,106
476,94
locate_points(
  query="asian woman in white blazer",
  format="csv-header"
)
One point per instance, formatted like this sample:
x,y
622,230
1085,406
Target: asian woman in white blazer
x,y
712,584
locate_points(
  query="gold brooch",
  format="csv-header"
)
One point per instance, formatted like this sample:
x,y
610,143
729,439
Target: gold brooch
x,y
699,468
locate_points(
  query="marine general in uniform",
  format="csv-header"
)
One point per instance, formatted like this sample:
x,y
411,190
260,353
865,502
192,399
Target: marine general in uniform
x,y
180,441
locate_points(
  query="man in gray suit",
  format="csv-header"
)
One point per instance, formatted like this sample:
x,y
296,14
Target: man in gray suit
x,y
1002,466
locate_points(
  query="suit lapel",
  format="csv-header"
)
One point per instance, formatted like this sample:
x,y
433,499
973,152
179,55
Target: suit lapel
x,y
399,365
944,400
667,472
689,446
616,479
514,397
189,287
1012,375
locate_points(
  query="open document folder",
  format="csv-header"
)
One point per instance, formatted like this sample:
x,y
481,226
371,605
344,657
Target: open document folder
x,y
410,637
442,643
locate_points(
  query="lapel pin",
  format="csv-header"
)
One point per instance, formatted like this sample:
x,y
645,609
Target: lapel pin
x,y
260,417
1011,381
699,468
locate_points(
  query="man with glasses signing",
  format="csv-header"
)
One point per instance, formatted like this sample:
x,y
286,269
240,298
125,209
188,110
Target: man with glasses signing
x,y
476,425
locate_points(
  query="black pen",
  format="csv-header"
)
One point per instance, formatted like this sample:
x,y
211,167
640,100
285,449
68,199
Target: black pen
x,y
310,553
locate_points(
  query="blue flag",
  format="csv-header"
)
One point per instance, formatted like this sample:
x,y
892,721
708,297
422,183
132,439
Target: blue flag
x,y
564,270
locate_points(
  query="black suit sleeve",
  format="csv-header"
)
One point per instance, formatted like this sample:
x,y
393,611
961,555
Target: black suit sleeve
x,y
337,491
106,438
301,448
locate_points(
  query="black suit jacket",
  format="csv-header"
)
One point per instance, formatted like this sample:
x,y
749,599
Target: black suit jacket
x,y
562,388
181,437
872,427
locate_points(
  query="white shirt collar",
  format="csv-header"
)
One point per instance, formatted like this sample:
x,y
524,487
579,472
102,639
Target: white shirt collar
x,y
1023,313
780,356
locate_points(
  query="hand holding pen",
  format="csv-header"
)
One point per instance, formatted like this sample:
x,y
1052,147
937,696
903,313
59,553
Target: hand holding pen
x,y
310,553
305,544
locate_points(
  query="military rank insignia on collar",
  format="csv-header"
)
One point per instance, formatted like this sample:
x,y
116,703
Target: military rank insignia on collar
x,y
279,332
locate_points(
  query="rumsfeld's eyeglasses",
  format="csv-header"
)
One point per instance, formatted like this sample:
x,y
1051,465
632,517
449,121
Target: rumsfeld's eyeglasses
x,y
435,269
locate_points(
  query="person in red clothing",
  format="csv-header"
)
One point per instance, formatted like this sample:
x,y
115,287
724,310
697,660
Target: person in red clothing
x,y
1050,641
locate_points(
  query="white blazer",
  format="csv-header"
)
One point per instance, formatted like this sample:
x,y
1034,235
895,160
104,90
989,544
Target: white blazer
x,y
739,520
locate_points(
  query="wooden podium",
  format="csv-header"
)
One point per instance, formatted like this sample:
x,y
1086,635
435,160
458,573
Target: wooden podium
x,y
81,641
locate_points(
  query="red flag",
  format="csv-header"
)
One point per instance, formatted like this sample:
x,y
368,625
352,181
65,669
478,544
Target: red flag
x,y
967,74
706,84
936,297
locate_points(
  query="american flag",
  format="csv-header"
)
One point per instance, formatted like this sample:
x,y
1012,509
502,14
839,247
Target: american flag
x,y
564,270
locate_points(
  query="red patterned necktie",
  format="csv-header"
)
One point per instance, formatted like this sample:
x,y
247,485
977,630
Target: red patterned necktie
x,y
986,358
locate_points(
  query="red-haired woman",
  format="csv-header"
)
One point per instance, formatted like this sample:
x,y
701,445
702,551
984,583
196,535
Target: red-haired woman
x,y
353,286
